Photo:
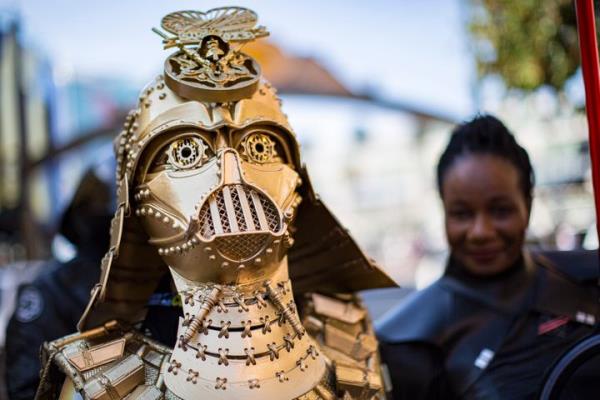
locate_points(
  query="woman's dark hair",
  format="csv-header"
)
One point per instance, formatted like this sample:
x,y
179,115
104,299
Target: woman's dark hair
x,y
485,134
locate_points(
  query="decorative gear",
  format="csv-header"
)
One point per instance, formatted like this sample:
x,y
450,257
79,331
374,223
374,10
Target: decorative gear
x,y
259,147
187,153
212,71
233,24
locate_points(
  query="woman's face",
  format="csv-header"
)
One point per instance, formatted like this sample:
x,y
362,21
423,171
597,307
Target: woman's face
x,y
486,213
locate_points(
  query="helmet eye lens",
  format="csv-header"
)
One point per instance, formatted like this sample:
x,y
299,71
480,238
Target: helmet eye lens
x,y
187,153
259,148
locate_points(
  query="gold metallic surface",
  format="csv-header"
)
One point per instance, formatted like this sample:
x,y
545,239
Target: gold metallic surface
x,y
340,310
98,355
117,381
287,311
212,71
211,189
197,320
139,365
358,383
68,391
233,24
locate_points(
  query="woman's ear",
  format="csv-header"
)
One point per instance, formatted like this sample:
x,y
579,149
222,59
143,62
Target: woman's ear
x,y
529,206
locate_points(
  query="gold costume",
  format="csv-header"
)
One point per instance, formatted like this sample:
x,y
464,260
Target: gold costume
x,y
211,189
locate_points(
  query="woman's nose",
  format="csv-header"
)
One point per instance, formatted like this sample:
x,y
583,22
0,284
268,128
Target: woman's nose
x,y
481,229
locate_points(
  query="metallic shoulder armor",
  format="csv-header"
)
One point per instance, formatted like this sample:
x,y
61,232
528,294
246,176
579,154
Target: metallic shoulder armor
x,y
116,362
211,189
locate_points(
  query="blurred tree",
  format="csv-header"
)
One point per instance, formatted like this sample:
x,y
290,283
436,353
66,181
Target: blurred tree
x,y
528,43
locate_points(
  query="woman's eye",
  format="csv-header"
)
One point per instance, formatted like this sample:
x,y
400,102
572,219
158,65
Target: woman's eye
x,y
259,148
501,211
186,153
459,214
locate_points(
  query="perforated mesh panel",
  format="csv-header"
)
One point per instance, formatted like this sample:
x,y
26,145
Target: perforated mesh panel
x,y
239,213
254,214
270,213
241,247
222,211
209,227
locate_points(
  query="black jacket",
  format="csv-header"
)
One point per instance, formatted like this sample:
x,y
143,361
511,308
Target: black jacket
x,y
47,309
490,338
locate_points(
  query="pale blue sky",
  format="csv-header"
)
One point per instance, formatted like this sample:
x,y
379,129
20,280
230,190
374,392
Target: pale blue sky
x,y
408,50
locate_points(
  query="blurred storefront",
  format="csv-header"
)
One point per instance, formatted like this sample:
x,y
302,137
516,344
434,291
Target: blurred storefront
x,y
556,137
50,133
26,135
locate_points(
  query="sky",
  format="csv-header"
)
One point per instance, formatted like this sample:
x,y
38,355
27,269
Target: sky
x,y
415,52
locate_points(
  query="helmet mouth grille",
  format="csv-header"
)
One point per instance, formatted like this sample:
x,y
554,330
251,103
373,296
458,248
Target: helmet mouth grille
x,y
241,247
238,209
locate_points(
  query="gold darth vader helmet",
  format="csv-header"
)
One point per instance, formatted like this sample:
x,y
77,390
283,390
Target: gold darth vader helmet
x,y
217,196
210,181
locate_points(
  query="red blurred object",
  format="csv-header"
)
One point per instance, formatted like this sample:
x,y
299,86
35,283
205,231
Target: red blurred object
x,y
588,45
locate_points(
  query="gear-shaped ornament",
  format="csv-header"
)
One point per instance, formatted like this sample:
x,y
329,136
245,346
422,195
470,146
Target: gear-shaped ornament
x,y
207,66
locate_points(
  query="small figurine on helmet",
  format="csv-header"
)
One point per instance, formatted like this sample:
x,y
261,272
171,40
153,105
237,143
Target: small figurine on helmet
x,y
211,190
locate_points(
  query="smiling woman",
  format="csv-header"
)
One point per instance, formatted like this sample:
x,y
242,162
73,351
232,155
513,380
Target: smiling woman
x,y
486,213
500,316
485,180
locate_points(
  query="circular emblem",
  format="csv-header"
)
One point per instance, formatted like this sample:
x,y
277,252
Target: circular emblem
x,y
30,305
207,66
221,77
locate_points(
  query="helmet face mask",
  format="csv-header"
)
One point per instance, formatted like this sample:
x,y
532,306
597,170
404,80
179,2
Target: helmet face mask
x,y
217,205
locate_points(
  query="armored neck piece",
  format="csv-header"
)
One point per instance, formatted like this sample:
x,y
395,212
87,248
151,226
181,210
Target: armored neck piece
x,y
242,341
